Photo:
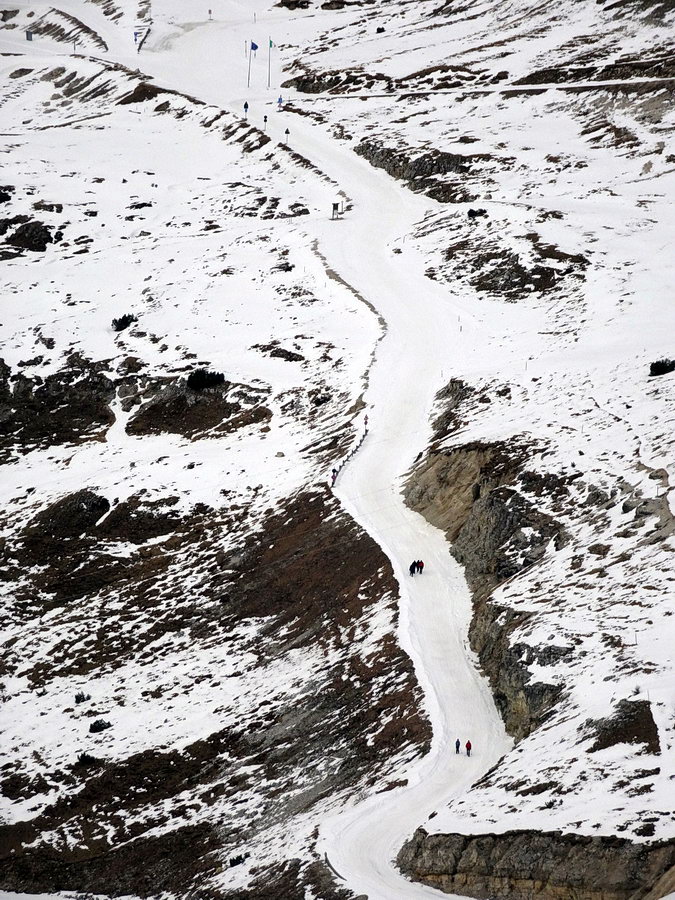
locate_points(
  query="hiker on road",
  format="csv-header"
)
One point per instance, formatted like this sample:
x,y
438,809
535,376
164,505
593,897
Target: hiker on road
x,y
468,748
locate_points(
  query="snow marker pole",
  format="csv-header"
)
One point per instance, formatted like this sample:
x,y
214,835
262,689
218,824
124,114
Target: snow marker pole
x,y
269,61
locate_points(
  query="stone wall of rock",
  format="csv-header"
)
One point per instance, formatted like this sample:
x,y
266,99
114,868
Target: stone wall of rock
x,y
471,493
551,866
421,171
490,507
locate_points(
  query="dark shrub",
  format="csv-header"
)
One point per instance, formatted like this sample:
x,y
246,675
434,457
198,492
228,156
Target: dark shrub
x,y
99,725
123,322
80,697
86,760
201,378
662,367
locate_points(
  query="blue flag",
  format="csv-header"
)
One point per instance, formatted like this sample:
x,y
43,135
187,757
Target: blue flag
x,y
254,46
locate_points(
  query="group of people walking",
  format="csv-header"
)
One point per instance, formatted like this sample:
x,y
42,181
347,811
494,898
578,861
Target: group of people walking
x,y
458,744
416,566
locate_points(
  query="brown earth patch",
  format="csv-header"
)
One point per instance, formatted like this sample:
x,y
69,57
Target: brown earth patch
x,y
176,409
307,577
632,723
67,407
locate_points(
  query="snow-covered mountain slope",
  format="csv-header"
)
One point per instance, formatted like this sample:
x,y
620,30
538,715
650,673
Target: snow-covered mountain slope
x,y
554,451
199,645
172,561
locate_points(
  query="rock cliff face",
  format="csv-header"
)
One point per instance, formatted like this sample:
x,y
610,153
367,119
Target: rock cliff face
x,y
471,493
420,171
524,864
511,517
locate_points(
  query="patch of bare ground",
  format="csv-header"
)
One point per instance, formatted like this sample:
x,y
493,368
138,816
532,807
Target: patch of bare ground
x,y
69,406
497,270
172,407
173,819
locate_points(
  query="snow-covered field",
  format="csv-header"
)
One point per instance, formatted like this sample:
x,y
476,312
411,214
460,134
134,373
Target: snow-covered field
x,y
175,603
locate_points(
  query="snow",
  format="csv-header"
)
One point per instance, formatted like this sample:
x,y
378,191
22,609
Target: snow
x,y
576,365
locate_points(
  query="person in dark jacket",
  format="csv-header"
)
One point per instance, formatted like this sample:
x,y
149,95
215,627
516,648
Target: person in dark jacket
x,y
468,748
457,746
413,568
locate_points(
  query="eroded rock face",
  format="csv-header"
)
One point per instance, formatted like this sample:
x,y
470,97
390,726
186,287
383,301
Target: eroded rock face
x,y
470,491
467,491
525,864
69,406
522,703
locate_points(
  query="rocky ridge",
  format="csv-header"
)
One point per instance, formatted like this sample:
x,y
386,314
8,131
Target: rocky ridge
x,y
526,865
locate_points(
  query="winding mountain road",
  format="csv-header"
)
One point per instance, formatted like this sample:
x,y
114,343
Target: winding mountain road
x,y
430,333
427,329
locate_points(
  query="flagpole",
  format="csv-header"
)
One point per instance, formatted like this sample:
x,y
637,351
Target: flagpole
x,y
269,60
248,83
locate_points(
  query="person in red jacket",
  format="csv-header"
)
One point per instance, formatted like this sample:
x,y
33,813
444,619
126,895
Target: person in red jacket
x,y
420,566
468,748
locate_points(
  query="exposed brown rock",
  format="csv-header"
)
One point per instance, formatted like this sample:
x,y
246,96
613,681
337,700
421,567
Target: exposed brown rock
x,y
69,406
525,864
632,723
176,409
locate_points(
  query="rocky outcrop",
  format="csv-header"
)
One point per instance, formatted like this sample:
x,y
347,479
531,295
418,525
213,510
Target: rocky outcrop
x,y
632,723
70,406
525,864
421,171
472,493
175,408
340,81
522,703
70,516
